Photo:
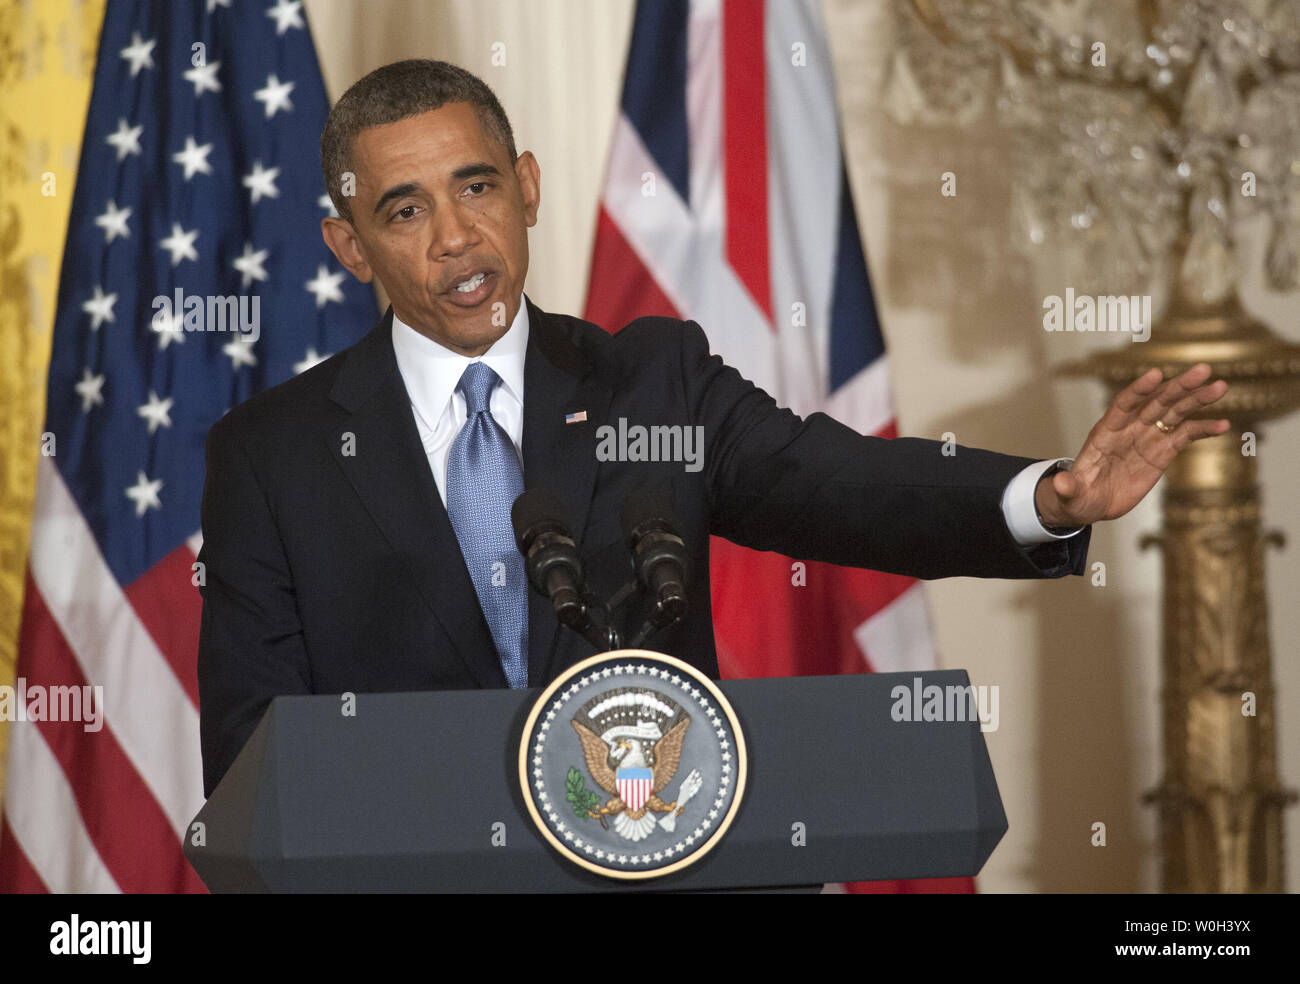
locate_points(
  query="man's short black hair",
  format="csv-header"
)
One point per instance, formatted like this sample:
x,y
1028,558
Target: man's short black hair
x,y
396,92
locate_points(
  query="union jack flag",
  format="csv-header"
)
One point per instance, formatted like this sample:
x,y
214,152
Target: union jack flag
x,y
727,201
194,276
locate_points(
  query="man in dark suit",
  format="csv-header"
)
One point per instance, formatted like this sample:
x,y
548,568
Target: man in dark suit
x,y
356,518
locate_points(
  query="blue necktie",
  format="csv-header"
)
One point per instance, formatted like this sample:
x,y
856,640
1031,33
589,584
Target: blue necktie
x,y
483,481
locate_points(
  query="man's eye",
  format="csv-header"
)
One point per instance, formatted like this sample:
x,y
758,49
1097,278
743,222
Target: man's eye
x,y
405,213
478,187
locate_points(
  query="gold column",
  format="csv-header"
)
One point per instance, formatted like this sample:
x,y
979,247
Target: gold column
x,y
1220,800
1173,121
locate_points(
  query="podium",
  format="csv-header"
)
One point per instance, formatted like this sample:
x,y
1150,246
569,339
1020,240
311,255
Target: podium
x,y
419,792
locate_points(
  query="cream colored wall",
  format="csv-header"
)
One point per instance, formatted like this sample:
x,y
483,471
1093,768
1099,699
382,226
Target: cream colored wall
x,y
1077,666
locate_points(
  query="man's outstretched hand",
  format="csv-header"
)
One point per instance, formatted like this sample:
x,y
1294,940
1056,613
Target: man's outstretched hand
x,y
1126,452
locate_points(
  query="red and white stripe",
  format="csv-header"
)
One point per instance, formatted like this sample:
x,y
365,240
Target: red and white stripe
x,y
634,792
124,798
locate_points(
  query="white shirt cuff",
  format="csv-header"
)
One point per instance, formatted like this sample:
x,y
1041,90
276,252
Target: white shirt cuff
x,y
1021,512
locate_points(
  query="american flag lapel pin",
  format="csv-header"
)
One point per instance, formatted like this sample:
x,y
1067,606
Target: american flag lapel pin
x,y
575,418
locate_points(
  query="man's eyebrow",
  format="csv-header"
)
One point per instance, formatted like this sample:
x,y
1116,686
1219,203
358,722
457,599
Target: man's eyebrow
x,y
477,169
397,191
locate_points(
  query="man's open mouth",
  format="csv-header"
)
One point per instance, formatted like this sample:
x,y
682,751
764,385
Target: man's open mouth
x,y
472,283
473,290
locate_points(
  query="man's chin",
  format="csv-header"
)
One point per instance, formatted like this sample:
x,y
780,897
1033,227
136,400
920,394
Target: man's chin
x,y
469,336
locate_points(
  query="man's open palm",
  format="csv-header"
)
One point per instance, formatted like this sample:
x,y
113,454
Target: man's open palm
x,y
1129,448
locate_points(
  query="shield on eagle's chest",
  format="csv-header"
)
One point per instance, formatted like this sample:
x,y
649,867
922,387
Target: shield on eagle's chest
x,y
634,786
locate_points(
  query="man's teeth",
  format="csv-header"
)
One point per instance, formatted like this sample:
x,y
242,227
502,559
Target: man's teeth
x,y
471,284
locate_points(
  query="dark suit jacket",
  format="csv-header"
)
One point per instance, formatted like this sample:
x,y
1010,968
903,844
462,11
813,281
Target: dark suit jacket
x,y
328,571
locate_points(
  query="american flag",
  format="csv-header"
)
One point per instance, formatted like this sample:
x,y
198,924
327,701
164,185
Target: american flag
x,y
727,202
199,182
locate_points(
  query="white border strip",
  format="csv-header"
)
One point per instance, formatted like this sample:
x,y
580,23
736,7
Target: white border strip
x,y
897,637
45,819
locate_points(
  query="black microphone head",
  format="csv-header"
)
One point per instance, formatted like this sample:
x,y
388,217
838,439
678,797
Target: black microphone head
x,y
535,512
659,557
643,514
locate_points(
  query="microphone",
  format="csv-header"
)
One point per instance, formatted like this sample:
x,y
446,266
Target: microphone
x,y
658,556
550,557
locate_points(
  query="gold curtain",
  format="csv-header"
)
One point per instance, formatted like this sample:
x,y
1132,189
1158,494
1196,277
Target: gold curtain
x,y
47,61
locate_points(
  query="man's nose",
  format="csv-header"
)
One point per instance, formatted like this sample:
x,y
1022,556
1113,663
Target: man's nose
x,y
453,230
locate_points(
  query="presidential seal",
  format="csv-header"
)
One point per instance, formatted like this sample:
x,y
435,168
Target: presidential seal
x,y
632,764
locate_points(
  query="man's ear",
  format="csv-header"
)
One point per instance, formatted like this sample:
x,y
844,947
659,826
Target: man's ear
x,y
342,240
530,185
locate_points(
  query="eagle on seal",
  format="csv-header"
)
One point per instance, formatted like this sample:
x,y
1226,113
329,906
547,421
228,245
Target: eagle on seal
x,y
634,759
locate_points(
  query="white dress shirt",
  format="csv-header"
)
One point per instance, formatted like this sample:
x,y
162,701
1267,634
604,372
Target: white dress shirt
x,y
431,372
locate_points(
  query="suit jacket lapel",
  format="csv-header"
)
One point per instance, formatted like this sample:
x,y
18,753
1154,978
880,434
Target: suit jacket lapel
x,y
390,472
559,457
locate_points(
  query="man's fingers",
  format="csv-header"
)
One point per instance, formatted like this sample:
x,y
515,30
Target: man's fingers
x,y
1193,402
1136,393
1194,430
1172,392
1130,400
1150,397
